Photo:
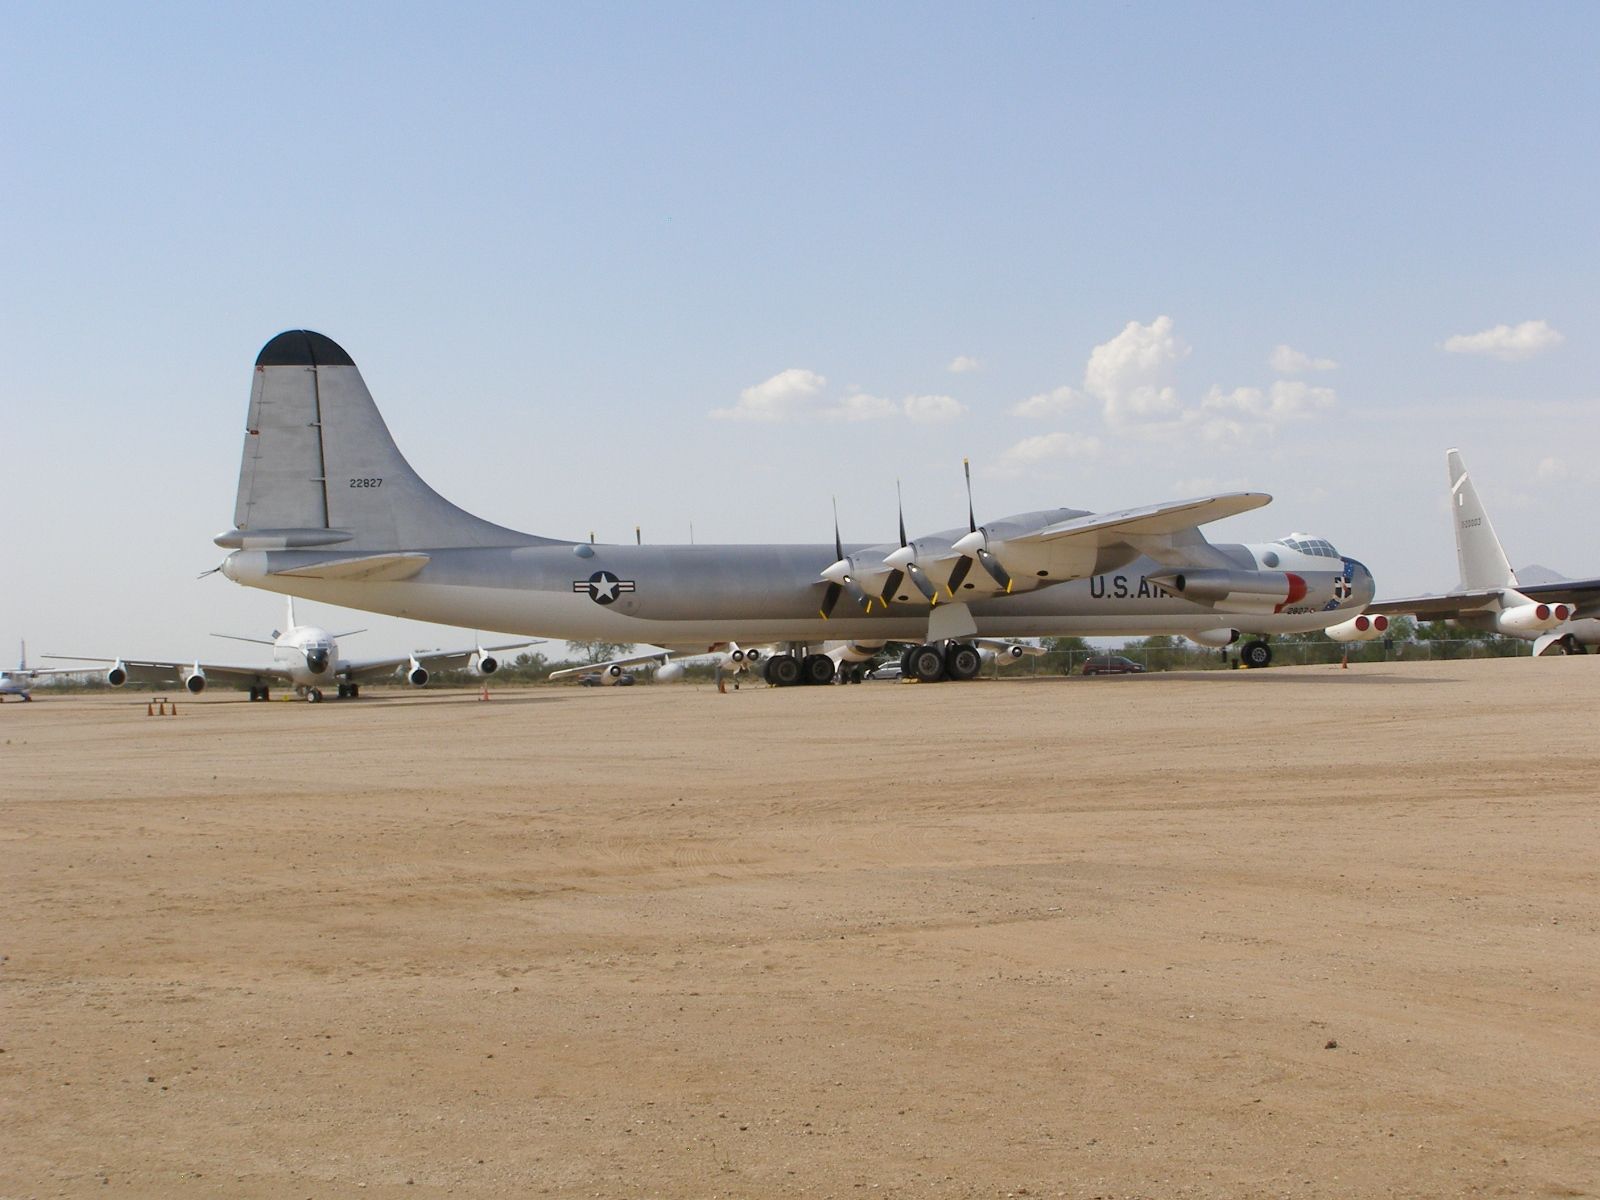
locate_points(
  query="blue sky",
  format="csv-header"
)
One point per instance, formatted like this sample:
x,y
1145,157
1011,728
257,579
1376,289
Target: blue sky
x,y
560,241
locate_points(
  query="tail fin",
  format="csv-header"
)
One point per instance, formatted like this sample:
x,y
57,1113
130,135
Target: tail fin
x,y
320,468
1478,553
289,616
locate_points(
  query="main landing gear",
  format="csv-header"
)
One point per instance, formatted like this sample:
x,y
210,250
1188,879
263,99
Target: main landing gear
x,y
260,692
933,662
786,670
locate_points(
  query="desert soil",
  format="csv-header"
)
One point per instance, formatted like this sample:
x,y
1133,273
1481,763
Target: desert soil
x,y
1302,932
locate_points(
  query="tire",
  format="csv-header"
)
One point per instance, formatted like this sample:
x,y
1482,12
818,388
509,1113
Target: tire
x,y
905,661
817,669
1256,655
314,696
927,664
962,661
782,670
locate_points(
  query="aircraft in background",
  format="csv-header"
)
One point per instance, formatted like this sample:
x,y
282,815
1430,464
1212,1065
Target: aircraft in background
x,y
306,658
846,661
328,508
15,681
1558,617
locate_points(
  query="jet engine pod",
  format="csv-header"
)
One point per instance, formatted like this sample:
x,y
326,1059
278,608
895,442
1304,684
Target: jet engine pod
x,y
195,682
1359,629
1524,619
417,676
669,672
1215,638
117,675
1238,591
488,664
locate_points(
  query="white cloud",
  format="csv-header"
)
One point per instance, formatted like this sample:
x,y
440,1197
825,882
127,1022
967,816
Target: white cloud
x,y
963,363
1286,360
930,410
787,395
1048,404
1508,343
859,406
1131,374
1552,469
1285,400
798,395
1045,448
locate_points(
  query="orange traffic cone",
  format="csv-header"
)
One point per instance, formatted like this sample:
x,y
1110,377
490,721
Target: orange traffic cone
x,y
485,693
149,708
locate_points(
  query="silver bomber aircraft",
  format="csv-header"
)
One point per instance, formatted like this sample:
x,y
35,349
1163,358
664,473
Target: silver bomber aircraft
x,y
329,509
1559,617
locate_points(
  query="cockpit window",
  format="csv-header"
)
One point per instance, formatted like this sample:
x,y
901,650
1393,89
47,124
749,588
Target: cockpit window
x,y
1306,544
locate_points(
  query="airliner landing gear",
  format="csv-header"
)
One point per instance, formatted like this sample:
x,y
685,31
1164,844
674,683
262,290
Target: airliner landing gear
x,y
259,693
349,691
314,695
1256,654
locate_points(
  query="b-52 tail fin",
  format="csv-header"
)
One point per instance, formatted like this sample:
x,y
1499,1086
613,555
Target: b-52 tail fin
x,y
1482,561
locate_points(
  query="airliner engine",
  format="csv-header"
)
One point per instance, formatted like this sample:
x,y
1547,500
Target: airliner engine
x,y
485,664
195,681
669,672
117,675
417,674
1235,591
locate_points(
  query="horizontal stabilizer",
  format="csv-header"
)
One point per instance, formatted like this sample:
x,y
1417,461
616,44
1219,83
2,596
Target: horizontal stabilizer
x,y
374,568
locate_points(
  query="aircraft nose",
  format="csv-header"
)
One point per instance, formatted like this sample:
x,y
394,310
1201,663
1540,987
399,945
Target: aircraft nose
x,y
317,660
1364,587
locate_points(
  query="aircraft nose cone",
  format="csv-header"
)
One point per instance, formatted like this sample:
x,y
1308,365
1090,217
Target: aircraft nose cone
x,y
317,660
1364,587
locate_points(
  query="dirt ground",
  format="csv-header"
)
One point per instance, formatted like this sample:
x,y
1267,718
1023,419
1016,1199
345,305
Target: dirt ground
x,y
1301,932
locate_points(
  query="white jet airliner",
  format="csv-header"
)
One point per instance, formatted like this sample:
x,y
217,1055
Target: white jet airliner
x,y
306,657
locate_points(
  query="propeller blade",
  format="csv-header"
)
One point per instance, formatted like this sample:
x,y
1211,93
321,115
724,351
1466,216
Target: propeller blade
x,y
924,584
829,598
891,585
838,544
991,564
901,505
958,574
972,520
858,594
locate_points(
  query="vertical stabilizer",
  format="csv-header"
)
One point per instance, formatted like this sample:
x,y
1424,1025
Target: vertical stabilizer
x,y
1482,562
290,617
320,468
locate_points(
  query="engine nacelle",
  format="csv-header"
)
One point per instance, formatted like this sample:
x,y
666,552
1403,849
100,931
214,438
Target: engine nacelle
x,y
1359,629
417,674
670,672
611,675
485,664
1215,638
195,681
1523,620
1238,591
117,675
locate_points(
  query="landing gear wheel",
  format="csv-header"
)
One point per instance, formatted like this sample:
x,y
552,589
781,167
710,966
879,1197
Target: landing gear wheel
x,y
255,694
344,691
817,669
905,661
962,661
782,670
314,696
1256,654
927,663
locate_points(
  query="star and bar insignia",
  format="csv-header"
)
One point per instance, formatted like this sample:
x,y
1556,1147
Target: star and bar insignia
x,y
603,587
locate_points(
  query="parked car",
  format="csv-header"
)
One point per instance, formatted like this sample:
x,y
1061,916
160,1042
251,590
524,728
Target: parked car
x,y
1111,664
592,679
890,671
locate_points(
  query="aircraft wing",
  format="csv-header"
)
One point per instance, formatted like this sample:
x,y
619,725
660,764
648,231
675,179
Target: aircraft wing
x,y
655,656
371,668
1154,520
1582,594
1004,646
149,670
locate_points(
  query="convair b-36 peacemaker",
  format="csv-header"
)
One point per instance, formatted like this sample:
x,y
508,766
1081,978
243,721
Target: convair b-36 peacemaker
x,y
329,509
